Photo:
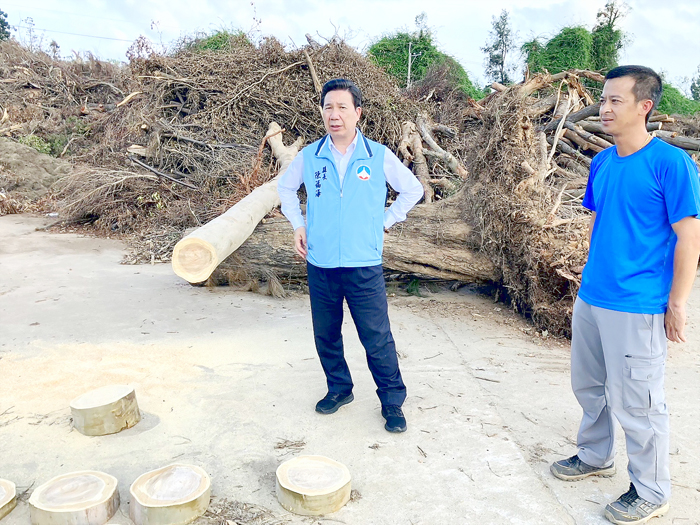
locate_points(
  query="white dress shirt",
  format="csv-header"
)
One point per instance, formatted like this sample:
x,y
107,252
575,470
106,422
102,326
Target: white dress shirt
x,y
399,177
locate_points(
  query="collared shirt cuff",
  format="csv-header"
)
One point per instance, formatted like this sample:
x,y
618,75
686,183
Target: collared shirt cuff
x,y
297,222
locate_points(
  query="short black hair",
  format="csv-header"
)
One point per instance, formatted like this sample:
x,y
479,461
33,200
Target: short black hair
x,y
647,83
342,84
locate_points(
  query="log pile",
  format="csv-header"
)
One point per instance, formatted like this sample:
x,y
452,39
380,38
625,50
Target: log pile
x,y
169,143
530,169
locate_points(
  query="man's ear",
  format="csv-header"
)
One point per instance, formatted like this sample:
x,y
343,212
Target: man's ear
x,y
358,109
647,106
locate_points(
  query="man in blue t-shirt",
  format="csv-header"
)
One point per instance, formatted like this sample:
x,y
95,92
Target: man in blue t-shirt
x,y
644,231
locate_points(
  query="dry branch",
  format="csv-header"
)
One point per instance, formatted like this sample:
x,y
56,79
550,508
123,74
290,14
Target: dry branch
x,y
196,256
454,165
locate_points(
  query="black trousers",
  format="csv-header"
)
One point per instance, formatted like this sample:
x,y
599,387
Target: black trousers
x,y
365,292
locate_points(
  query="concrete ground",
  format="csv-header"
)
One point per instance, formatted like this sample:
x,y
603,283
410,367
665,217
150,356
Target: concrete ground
x,y
228,381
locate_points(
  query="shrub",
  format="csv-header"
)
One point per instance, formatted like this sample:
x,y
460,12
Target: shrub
x,y
36,142
673,102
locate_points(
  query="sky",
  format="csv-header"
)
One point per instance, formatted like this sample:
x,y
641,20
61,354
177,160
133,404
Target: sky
x,y
664,35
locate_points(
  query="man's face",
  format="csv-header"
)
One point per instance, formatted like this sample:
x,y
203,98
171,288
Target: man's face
x,y
340,116
619,109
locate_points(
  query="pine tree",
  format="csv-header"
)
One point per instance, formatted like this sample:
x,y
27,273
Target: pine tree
x,y
498,49
695,85
4,26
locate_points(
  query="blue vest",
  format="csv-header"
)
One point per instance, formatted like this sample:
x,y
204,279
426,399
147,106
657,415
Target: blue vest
x,y
345,225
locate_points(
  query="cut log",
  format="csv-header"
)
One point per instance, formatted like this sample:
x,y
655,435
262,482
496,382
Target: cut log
x,y
574,117
8,497
106,410
580,141
687,143
571,152
313,485
79,498
597,127
196,256
542,106
172,495
590,137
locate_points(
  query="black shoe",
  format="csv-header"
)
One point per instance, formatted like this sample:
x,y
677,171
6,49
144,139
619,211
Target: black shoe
x,y
631,508
395,421
573,469
332,402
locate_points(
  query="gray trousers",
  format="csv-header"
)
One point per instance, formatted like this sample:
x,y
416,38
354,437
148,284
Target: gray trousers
x,y
617,369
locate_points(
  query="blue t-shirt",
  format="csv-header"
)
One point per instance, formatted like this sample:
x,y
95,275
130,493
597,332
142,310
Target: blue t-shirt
x,y
636,199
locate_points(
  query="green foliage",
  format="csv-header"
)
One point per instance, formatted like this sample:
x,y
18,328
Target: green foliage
x,y
220,40
571,48
36,142
4,26
534,55
673,102
413,288
498,48
577,48
608,40
458,77
78,126
57,143
391,54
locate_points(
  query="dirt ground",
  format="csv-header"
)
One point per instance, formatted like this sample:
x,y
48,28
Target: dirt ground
x,y
228,381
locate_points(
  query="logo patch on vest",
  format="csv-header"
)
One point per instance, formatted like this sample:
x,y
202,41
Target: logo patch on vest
x,y
363,173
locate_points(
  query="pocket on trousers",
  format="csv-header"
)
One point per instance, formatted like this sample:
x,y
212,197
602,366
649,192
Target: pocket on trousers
x,y
643,385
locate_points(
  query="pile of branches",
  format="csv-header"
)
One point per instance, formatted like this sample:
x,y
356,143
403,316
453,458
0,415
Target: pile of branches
x,y
195,121
529,170
39,94
169,142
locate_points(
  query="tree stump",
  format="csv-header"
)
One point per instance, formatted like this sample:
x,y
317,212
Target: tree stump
x,y
313,485
172,495
79,498
106,410
8,497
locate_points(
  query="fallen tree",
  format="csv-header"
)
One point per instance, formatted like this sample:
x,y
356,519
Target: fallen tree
x,y
196,256
434,241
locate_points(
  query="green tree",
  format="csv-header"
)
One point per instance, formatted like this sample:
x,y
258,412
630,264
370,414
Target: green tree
x,y
4,26
608,39
673,102
577,47
571,48
695,85
498,49
391,53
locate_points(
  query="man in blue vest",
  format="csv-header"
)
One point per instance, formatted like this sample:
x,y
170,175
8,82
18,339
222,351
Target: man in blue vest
x,y
345,176
644,231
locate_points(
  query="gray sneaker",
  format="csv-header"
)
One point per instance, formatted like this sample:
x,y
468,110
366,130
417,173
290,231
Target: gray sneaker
x,y
573,469
630,508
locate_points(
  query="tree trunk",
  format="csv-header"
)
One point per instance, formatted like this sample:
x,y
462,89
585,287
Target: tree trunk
x,y
434,241
196,256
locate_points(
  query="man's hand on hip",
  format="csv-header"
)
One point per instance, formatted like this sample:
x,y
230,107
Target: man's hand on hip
x,y
675,323
300,241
